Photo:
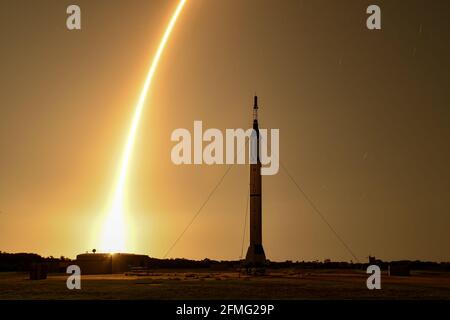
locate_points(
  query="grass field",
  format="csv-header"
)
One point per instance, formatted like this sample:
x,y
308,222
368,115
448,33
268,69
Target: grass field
x,y
206,284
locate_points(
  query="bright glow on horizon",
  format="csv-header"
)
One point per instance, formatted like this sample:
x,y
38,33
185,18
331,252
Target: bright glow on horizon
x,y
114,229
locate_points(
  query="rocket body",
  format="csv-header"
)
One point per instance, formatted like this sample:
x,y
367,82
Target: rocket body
x,y
255,253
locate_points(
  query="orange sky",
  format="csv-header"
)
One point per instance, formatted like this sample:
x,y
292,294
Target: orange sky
x,y
363,119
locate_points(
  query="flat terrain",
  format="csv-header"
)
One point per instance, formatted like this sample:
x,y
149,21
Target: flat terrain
x,y
207,284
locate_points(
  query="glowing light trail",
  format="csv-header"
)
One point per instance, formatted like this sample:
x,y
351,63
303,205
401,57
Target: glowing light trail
x,y
114,228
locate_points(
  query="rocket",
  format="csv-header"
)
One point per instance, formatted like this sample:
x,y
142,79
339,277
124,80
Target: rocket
x,y
255,254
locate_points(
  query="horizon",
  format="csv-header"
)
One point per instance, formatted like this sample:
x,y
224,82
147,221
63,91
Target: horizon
x,y
219,260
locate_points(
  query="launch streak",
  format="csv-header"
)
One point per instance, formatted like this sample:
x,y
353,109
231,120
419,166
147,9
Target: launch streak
x,y
114,228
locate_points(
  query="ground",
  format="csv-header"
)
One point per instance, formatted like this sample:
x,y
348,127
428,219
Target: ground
x,y
207,284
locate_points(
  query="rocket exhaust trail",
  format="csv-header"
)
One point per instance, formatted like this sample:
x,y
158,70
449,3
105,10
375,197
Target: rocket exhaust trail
x,y
114,233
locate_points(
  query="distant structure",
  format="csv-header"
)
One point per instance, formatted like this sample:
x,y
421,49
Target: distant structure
x,y
104,263
38,271
256,257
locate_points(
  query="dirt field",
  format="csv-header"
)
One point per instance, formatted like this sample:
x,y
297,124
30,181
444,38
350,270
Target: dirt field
x,y
197,284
